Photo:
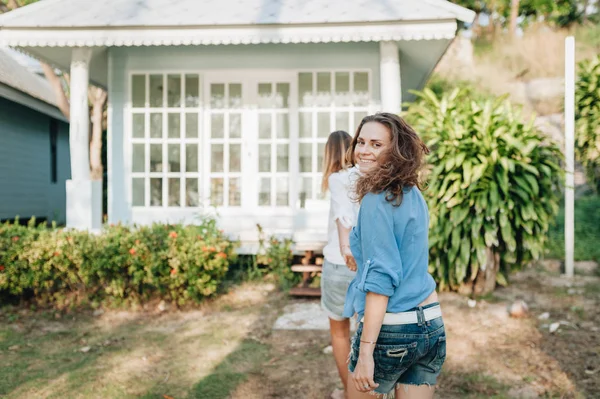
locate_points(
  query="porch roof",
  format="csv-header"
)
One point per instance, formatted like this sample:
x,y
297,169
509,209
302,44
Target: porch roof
x,y
54,23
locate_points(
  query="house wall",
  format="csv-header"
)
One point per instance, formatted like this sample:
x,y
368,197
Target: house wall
x,y
417,61
26,189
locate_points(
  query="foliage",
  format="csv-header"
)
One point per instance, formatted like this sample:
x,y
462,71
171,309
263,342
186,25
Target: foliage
x,y
587,231
494,184
62,267
587,116
274,259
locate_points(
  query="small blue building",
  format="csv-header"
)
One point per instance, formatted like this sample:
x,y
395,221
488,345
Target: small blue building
x,y
34,146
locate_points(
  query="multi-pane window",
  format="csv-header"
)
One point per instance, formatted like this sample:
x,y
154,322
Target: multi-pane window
x,y
328,101
273,143
225,142
165,140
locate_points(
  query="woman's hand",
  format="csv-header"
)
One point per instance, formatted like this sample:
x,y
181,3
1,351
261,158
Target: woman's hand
x,y
348,257
363,373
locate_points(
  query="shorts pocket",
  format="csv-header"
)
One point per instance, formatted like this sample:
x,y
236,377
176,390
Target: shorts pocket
x,y
440,353
392,360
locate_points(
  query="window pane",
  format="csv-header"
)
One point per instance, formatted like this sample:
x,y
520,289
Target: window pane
x,y
191,158
361,88
156,126
235,192
174,90
192,198
138,91
235,126
235,157
283,157
216,191
264,157
342,89
217,126
282,198
305,190
358,117
264,126
217,95
264,193
192,91
282,96
138,125
283,126
305,96
305,157
174,158
156,192
156,91
138,192
342,121
217,158
174,192
235,95
323,124
174,128
139,158
323,89
156,158
191,125
265,95
320,153
306,124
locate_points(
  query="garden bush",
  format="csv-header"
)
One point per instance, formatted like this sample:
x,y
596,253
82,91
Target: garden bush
x,y
122,264
587,115
493,188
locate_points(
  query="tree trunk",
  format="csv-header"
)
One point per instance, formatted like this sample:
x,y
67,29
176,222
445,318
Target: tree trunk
x,y
59,91
98,100
514,14
485,282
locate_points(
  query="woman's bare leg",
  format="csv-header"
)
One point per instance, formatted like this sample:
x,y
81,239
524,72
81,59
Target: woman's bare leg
x,y
414,392
340,342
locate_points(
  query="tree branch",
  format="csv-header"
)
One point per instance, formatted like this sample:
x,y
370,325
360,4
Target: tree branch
x,y
59,92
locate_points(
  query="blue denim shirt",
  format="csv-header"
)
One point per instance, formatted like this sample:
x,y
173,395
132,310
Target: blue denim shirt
x,y
391,250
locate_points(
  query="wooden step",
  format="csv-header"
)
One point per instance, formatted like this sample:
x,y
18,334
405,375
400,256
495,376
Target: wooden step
x,y
306,268
305,291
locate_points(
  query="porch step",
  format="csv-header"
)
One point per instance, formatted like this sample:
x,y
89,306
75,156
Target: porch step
x,y
305,291
306,268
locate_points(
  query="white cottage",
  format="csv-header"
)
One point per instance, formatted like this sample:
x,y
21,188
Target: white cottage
x,y
227,104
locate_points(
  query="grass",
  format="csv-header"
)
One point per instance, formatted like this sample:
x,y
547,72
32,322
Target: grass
x,y
474,385
587,231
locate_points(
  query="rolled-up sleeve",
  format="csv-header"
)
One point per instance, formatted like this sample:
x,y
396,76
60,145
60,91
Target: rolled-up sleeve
x,y
382,269
341,203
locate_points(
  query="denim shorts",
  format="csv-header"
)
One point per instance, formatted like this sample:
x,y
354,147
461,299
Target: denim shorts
x,y
411,354
335,280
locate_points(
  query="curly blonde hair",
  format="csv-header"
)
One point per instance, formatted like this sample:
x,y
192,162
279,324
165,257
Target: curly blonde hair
x,y
397,167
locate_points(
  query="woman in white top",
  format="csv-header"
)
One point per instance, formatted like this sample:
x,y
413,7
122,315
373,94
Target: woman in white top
x,y
339,266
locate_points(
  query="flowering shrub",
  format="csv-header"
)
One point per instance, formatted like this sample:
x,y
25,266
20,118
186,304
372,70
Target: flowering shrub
x,y
274,259
180,263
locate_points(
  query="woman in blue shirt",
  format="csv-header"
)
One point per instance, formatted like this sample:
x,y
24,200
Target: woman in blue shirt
x,y
400,343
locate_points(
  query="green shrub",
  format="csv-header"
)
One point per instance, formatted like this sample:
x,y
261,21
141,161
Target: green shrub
x,y
176,262
587,116
274,259
493,188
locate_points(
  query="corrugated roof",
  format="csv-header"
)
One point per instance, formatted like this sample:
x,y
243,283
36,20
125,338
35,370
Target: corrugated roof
x,y
170,13
20,78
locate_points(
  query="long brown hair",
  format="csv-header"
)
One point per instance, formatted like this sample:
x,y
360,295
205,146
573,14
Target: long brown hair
x,y
334,159
398,167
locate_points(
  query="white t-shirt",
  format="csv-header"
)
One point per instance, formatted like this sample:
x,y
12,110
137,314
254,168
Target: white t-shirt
x,y
342,207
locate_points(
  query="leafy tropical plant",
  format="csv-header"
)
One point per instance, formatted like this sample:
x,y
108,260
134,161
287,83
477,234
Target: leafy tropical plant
x,y
493,188
587,116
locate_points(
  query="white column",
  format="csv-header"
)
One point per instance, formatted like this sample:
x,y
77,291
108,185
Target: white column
x,y
390,84
84,197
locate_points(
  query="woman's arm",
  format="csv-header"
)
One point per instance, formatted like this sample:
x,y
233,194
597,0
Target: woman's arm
x,y
344,237
375,308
